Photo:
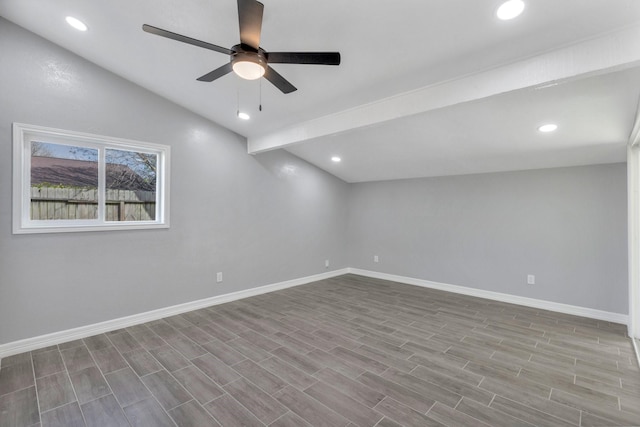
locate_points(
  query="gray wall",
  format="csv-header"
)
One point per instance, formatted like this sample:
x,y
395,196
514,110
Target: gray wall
x,y
567,226
252,218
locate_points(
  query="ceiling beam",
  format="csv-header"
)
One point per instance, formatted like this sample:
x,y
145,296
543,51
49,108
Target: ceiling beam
x,y
612,51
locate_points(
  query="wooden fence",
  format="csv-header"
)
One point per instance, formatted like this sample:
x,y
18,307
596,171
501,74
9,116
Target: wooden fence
x,y
49,203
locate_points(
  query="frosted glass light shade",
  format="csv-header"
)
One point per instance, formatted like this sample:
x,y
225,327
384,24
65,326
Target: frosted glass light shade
x,y
248,70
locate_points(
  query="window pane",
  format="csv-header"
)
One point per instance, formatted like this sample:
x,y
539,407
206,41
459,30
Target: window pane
x,y
64,182
68,181
130,186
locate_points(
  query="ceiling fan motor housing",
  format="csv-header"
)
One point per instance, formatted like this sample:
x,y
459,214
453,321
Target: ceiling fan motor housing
x,y
246,53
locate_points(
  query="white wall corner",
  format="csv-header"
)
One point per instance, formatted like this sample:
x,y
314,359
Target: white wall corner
x,y
633,228
633,240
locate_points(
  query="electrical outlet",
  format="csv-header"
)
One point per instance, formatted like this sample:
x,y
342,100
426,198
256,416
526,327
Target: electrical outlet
x,y
326,263
376,259
531,279
219,277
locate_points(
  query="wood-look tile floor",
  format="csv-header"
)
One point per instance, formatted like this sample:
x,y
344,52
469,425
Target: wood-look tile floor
x,y
348,351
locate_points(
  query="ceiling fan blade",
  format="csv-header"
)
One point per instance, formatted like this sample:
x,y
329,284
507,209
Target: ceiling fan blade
x,y
322,58
278,81
250,19
184,39
217,73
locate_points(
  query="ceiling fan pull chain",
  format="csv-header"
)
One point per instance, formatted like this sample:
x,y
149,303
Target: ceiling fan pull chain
x,y
237,99
260,101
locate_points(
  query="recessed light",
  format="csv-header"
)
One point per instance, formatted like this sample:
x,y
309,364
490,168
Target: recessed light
x,y
243,116
550,127
76,23
510,9
336,159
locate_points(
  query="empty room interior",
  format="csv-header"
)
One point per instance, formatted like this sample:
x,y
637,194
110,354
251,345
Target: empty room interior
x,y
286,213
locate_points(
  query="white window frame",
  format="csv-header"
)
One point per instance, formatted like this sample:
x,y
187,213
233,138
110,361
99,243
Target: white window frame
x,y
24,134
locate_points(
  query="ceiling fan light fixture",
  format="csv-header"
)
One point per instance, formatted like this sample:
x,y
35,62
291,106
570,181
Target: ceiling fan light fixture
x,y
510,9
248,69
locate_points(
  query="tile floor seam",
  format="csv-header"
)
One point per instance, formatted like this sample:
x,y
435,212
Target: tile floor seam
x,y
73,389
252,382
464,413
492,399
249,410
20,389
35,387
239,403
319,402
179,404
281,416
151,394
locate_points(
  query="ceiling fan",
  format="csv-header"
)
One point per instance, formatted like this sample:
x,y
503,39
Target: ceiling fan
x,y
247,59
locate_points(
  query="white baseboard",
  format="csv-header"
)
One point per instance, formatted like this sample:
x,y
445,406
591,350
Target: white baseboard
x,y
42,341
497,296
34,343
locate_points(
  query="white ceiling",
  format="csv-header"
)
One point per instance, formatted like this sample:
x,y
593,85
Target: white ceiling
x,y
425,88
498,133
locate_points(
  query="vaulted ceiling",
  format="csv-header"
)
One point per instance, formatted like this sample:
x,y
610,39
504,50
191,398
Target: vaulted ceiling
x,y
425,88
